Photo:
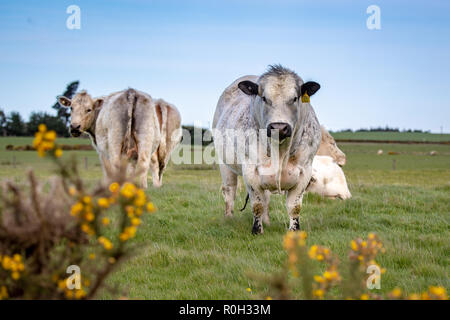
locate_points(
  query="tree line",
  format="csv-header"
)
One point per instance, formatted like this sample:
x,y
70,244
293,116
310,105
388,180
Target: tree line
x,y
13,124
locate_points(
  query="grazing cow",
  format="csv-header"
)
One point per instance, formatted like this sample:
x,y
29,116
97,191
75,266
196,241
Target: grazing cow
x,y
124,124
277,104
328,179
328,147
170,124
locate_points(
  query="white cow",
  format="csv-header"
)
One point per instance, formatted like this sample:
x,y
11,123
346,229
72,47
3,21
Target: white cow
x,y
276,103
328,179
126,124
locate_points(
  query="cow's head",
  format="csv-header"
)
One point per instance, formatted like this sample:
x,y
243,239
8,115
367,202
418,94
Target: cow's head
x,y
328,147
278,99
83,111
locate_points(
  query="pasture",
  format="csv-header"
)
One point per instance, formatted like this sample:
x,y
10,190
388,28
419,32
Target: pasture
x,y
188,250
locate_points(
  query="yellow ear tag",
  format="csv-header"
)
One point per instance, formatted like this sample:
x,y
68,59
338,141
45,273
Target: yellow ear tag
x,y
305,97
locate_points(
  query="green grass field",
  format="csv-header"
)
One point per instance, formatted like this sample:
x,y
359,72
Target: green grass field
x,y
188,250
393,136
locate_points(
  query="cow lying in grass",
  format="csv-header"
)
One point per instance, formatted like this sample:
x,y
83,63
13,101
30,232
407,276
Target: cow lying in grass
x,y
276,103
328,179
126,124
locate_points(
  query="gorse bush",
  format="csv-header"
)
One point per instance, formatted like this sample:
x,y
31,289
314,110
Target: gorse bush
x,y
62,244
302,261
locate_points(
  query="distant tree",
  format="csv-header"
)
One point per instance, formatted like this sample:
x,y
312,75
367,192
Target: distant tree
x,y
15,126
64,113
52,123
2,123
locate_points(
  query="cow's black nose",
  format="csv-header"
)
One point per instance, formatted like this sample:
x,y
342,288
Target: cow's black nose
x,y
75,128
284,129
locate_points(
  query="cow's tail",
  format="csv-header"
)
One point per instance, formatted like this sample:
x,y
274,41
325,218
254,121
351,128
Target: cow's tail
x,y
162,113
130,145
246,201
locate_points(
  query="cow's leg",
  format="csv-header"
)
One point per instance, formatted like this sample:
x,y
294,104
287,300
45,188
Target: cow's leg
x,y
142,166
265,216
294,205
154,165
259,204
229,184
106,168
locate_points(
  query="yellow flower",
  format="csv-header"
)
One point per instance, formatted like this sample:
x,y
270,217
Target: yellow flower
x,y
87,229
364,296
69,294
15,275
105,221
135,221
354,245
128,190
268,298
114,187
3,293
90,216
7,263
312,251
396,293
80,294
318,293
72,191
92,256
103,203
248,290
42,128
87,199
140,198
107,244
151,207
439,292
58,152
414,296
17,258
319,279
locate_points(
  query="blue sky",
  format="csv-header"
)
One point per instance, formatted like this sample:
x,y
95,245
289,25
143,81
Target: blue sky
x,y
187,52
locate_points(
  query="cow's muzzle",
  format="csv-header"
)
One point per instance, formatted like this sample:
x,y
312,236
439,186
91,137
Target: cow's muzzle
x,y
75,130
284,130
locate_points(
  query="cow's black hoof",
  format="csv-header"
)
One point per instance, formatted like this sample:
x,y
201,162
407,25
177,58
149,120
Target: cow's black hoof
x,y
295,226
257,227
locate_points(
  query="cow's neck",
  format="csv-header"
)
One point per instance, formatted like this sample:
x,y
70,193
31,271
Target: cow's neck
x,y
91,130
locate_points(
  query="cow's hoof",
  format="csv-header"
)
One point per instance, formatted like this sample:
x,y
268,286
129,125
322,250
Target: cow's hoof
x,y
257,227
294,225
229,215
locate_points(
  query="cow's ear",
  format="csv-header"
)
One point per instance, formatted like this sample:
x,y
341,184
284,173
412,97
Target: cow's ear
x,y
248,87
98,103
64,102
309,88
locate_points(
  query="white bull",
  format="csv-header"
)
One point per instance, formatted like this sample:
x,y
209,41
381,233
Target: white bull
x,y
276,103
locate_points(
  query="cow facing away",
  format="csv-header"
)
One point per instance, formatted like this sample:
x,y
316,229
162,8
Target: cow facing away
x,y
122,125
275,103
328,179
170,124
329,148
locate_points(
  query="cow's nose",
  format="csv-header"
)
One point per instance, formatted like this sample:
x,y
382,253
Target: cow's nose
x,y
75,128
284,129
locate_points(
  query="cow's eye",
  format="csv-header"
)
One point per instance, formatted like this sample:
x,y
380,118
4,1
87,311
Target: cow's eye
x,y
264,99
88,110
295,100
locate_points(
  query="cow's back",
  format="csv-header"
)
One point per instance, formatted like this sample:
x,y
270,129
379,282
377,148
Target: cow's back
x,y
233,107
